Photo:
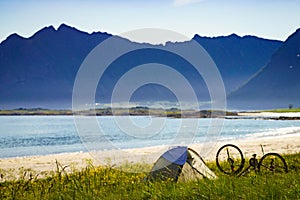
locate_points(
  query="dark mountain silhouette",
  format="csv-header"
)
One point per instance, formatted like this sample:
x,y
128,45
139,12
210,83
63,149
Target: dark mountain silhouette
x,y
238,58
40,71
277,85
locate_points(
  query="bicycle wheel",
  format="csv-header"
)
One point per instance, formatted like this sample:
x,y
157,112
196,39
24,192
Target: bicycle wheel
x,y
230,159
272,163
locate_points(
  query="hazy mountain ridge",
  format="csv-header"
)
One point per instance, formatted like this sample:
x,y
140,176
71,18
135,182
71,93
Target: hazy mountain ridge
x,y
40,71
238,56
277,84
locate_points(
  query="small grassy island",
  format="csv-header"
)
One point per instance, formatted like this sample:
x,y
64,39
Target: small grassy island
x,y
156,112
137,111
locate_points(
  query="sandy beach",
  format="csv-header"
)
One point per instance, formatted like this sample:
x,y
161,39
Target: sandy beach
x,y
41,166
269,114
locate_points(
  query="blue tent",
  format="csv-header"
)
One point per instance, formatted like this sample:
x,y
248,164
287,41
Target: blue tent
x,y
180,162
177,155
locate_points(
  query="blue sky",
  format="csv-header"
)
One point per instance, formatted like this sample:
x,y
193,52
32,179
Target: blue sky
x,y
272,19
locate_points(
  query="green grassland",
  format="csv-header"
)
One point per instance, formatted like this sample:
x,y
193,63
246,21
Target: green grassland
x,y
109,183
285,110
35,111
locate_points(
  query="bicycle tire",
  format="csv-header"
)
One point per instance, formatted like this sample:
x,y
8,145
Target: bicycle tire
x,y
272,162
234,163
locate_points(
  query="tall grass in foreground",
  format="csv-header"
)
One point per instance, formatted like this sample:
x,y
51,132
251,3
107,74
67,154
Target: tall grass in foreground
x,y
108,183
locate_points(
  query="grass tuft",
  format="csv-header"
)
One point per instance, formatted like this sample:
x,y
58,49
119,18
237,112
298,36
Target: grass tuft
x,y
107,182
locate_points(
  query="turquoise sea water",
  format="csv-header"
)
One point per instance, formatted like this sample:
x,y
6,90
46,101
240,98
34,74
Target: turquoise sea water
x,y
41,135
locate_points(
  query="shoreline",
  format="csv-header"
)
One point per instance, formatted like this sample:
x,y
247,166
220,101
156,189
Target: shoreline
x,y
121,111
45,165
157,112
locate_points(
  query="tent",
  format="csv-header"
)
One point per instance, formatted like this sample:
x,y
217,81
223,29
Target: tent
x,y
180,164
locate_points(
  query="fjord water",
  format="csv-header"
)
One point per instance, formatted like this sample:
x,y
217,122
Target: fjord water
x,y
41,135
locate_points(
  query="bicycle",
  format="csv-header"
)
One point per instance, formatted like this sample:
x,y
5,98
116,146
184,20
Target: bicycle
x,y
230,160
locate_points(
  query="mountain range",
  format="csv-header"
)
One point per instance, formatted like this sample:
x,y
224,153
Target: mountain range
x,y
39,71
277,84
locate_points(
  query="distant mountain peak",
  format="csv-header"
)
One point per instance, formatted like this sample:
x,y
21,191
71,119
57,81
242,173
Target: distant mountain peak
x,y
295,35
64,27
14,36
44,31
232,36
52,28
47,28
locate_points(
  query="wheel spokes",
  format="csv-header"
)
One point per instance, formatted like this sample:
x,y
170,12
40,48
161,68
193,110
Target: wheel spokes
x,y
229,159
273,163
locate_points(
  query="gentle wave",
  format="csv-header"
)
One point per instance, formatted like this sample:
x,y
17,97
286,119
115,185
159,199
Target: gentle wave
x,y
276,132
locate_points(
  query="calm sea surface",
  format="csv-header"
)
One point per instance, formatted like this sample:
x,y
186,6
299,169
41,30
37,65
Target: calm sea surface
x,y
41,135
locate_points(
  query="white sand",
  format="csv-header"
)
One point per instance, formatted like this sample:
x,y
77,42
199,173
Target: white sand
x,y
13,168
270,114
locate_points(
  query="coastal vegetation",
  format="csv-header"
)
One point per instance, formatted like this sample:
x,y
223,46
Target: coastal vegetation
x,y
107,182
146,111
285,110
138,111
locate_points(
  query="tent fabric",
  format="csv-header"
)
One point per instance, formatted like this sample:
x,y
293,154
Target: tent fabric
x,y
177,155
188,173
180,164
199,165
165,170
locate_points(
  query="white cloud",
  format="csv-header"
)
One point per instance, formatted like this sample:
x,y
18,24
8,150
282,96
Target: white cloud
x,y
185,2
